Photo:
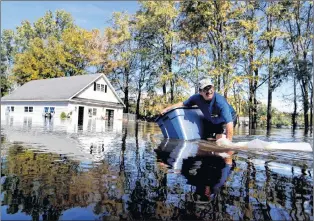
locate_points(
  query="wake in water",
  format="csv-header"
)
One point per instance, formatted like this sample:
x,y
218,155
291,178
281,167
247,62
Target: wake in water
x,y
257,144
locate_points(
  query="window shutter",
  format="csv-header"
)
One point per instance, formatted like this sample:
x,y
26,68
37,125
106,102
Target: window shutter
x,y
105,88
94,86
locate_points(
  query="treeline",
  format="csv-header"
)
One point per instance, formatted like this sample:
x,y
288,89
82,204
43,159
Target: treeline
x,y
157,55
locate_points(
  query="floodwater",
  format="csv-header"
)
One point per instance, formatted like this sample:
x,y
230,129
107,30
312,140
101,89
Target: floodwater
x,y
127,171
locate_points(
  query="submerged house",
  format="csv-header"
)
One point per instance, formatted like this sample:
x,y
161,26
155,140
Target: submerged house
x,y
79,97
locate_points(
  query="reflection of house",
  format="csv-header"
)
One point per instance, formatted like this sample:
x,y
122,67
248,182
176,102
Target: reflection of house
x,y
81,97
244,121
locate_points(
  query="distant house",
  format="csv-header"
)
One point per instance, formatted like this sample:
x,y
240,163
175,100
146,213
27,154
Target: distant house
x,y
244,121
80,97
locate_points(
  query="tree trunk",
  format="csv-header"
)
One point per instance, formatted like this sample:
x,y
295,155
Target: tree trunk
x,y
294,114
237,102
169,67
218,83
239,111
197,74
270,90
164,88
251,89
255,100
306,94
126,92
138,102
306,105
311,112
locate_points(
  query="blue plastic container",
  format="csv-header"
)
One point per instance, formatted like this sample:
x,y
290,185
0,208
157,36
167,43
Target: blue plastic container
x,y
184,123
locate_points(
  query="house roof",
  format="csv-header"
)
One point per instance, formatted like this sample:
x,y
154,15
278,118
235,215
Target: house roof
x,y
96,102
54,89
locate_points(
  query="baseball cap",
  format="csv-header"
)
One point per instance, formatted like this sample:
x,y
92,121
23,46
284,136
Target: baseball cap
x,y
205,82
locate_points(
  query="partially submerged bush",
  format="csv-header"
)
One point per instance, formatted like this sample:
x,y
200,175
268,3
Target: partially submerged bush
x,y
63,115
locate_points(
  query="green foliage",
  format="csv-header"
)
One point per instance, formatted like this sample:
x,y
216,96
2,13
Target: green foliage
x,y
7,53
52,47
156,56
279,119
5,85
63,115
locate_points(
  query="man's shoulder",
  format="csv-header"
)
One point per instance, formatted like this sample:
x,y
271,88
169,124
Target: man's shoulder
x,y
219,97
195,97
220,100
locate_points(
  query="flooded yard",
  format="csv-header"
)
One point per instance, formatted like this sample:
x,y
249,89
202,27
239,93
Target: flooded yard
x,y
127,171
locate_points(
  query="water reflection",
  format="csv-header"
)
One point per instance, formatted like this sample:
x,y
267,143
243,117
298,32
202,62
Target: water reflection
x,y
133,174
203,168
28,123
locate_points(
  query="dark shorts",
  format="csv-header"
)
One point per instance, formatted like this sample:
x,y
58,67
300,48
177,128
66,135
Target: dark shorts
x,y
210,129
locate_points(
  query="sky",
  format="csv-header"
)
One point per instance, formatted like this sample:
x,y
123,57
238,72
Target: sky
x,y
96,14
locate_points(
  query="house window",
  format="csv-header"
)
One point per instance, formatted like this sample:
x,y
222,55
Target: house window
x,y
100,87
90,110
52,109
28,109
12,108
94,111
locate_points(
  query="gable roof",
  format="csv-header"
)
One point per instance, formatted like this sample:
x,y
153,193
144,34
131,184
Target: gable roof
x,y
55,89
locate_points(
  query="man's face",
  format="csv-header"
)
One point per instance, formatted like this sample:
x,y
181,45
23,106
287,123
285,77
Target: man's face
x,y
207,92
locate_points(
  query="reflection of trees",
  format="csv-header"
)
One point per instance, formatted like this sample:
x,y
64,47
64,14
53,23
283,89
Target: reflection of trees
x,y
265,195
134,185
47,184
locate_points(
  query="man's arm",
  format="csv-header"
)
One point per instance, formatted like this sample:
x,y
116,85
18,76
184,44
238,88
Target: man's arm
x,y
180,104
226,114
229,130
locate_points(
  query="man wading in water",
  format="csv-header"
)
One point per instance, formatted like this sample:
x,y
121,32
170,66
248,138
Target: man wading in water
x,y
219,114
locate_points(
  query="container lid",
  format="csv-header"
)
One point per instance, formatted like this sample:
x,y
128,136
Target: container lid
x,y
164,115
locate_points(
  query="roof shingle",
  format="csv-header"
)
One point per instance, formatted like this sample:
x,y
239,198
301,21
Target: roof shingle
x,y
61,88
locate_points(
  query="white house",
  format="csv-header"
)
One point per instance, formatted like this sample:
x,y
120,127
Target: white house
x,y
81,97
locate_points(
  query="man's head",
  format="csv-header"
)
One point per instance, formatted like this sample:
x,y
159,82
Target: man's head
x,y
206,89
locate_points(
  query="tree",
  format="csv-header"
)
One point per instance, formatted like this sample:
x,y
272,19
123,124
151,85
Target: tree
x,y
160,19
52,47
77,51
99,55
146,63
122,54
193,34
249,27
272,33
7,54
298,20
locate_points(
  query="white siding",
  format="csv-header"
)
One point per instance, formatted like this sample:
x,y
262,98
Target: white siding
x,y
119,114
56,124
89,93
95,125
19,117
68,107
100,113
38,108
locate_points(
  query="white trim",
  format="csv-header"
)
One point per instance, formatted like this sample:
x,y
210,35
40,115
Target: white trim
x,y
95,103
113,90
85,87
108,83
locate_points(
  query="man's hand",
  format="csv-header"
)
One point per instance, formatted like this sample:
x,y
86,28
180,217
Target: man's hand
x,y
180,104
